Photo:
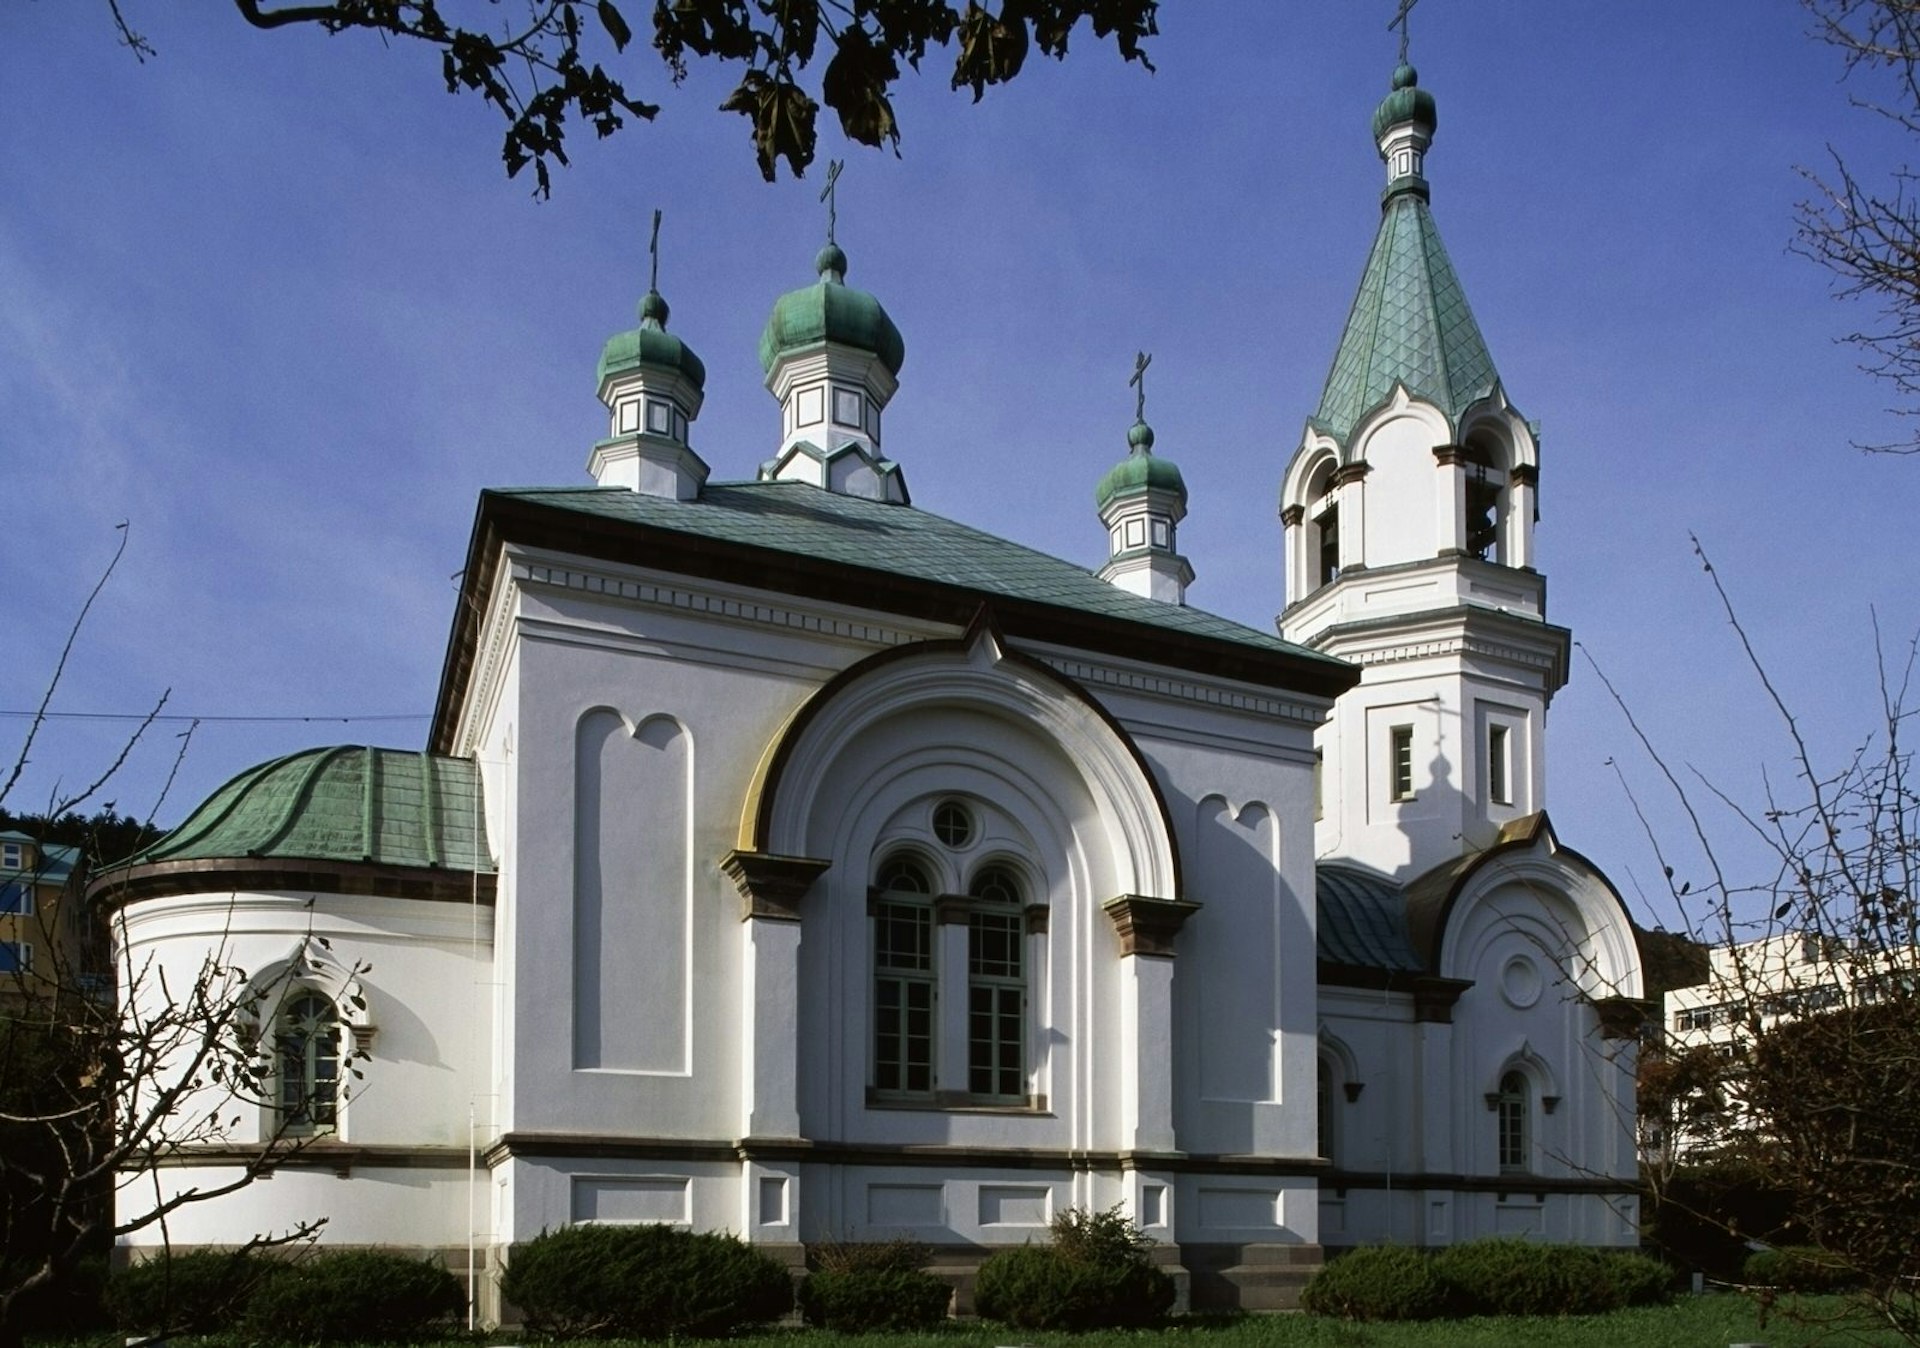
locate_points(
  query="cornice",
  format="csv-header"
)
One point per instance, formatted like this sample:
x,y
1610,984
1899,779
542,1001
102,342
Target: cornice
x,y
1106,675
572,575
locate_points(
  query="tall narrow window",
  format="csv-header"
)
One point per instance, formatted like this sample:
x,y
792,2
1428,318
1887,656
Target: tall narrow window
x,y
1483,506
1400,762
1513,1107
903,979
996,986
1498,789
1319,783
307,1055
1324,1113
1327,525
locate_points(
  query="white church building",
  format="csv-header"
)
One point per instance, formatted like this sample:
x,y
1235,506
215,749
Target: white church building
x,y
789,860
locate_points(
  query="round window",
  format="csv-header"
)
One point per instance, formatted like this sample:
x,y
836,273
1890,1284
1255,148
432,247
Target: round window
x,y
952,824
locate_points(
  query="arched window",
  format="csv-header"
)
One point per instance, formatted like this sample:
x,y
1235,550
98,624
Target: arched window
x,y
903,977
1323,542
307,1063
1486,485
996,985
1514,1110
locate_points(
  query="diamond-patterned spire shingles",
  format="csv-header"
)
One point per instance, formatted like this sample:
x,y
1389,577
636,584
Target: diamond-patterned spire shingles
x,y
1410,324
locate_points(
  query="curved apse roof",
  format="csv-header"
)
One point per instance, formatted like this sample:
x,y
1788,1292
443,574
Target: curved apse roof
x,y
389,807
1362,920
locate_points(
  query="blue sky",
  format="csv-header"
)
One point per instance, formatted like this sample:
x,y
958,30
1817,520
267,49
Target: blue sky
x,y
271,298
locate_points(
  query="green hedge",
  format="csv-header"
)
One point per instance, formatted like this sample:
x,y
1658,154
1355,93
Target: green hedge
x,y
354,1296
330,1296
1097,1274
867,1300
1378,1282
643,1282
1798,1268
197,1292
1485,1277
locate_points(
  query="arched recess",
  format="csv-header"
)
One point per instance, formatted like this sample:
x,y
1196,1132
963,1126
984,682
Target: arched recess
x,y
632,888
1339,1085
1529,877
979,675
858,775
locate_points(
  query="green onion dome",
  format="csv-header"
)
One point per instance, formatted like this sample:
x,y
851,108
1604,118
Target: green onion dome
x,y
1139,471
831,311
651,345
1407,103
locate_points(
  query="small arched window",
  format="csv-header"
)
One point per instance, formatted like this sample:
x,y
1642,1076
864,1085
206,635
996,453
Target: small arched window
x,y
1514,1110
307,1063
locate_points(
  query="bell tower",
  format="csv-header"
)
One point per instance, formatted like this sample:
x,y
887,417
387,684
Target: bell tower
x,y
1409,513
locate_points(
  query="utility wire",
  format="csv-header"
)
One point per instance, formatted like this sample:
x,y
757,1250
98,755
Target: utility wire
x,y
208,720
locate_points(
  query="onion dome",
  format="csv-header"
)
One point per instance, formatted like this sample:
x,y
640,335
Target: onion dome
x,y
651,345
831,311
1407,103
1139,471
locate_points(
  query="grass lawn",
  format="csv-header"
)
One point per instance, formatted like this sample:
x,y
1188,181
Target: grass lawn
x,y
1691,1322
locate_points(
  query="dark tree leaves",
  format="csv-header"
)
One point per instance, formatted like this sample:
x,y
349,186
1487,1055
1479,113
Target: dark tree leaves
x,y
610,19
539,70
783,121
855,86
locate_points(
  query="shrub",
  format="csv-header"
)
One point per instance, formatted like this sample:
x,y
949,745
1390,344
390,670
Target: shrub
x,y
1522,1277
860,1301
1641,1279
1098,1273
345,1296
1798,1268
199,1292
643,1282
1377,1282
1484,1277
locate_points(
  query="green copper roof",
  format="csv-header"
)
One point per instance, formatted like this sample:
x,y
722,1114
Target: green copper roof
x,y
1406,103
898,540
651,344
394,807
1410,325
1139,471
831,311
1361,920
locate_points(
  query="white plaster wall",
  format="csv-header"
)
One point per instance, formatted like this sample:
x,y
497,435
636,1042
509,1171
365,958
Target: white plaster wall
x,y
402,1207
426,979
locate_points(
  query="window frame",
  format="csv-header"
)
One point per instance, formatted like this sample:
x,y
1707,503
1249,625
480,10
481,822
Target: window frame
x,y
891,1073
1500,764
26,904
1513,1123
1400,785
297,1115
1007,992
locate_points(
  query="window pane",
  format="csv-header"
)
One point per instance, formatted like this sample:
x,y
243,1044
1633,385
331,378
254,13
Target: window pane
x,y
903,938
993,944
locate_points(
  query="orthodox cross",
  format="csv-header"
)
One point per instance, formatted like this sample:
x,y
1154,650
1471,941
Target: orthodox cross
x,y
1400,22
827,194
1139,384
653,252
